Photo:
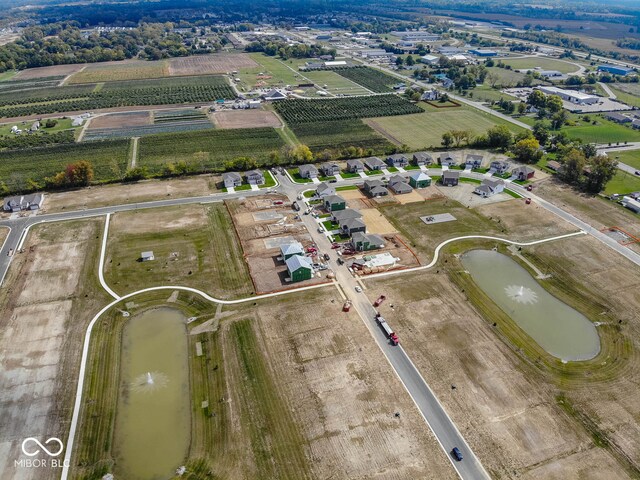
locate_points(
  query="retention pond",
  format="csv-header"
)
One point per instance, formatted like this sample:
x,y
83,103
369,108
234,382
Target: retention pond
x,y
153,422
562,331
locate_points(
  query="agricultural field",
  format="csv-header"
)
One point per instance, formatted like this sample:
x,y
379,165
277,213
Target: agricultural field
x,y
339,135
19,169
210,64
605,131
121,70
373,80
119,120
207,151
14,85
193,245
543,62
335,84
424,130
251,118
60,71
269,72
506,78
301,111
115,94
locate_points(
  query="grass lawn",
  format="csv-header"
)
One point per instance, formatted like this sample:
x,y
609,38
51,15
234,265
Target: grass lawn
x,y
625,96
295,174
279,72
335,84
506,78
485,93
63,124
543,63
631,157
345,174
604,132
346,187
423,131
193,245
373,172
8,75
269,181
622,183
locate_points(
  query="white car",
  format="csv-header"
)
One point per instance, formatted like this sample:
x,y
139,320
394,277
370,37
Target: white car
x,y
358,289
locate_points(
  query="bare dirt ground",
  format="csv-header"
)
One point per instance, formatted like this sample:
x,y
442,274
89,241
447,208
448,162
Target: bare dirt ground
x,y
507,414
526,222
594,210
256,234
207,64
376,222
53,71
246,119
463,193
47,301
120,120
410,197
344,394
100,196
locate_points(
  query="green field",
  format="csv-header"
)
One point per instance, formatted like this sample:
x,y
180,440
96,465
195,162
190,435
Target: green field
x,y
183,255
424,130
207,151
18,168
631,157
335,83
605,131
9,74
627,95
374,80
128,70
623,183
282,73
485,93
542,62
506,78
339,135
63,124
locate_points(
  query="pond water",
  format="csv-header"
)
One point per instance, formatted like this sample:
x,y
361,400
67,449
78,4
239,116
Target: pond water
x,y
153,422
562,331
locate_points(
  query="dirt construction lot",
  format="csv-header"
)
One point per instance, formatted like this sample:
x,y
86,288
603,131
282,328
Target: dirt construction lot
x,y
344,394
262,226
376,222
246,119
506,413
207,64
43,316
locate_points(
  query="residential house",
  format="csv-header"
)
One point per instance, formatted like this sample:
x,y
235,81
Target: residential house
x,y
554,165
324,189
500,167
375,188
398,184
489,187
329,169
308,171
363,241
146,256
355,166
422,158
350,226
430,95
374,163
473,161
288,250
348,213
419,179
254,177
231,179
447,160
299,268
523,173
35,126
397,160
32,201
334,202
450,178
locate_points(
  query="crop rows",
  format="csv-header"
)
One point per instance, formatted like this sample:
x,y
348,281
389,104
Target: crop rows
x,y
303,111
15,85
339,135
207,151
17,168
143,130
179,116
374,80
117,94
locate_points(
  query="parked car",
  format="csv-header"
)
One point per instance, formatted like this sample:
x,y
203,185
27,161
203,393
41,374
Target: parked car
x,y
335,245
340,261
327,257
529,188
333,181
637,172
358,289
457,454
527,201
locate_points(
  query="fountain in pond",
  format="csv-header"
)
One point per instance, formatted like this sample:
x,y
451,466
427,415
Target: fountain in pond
x,y
149,382
521,294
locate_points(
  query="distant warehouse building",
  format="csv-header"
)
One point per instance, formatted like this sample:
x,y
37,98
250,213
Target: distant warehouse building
x,y
615,70
483,52
572,96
